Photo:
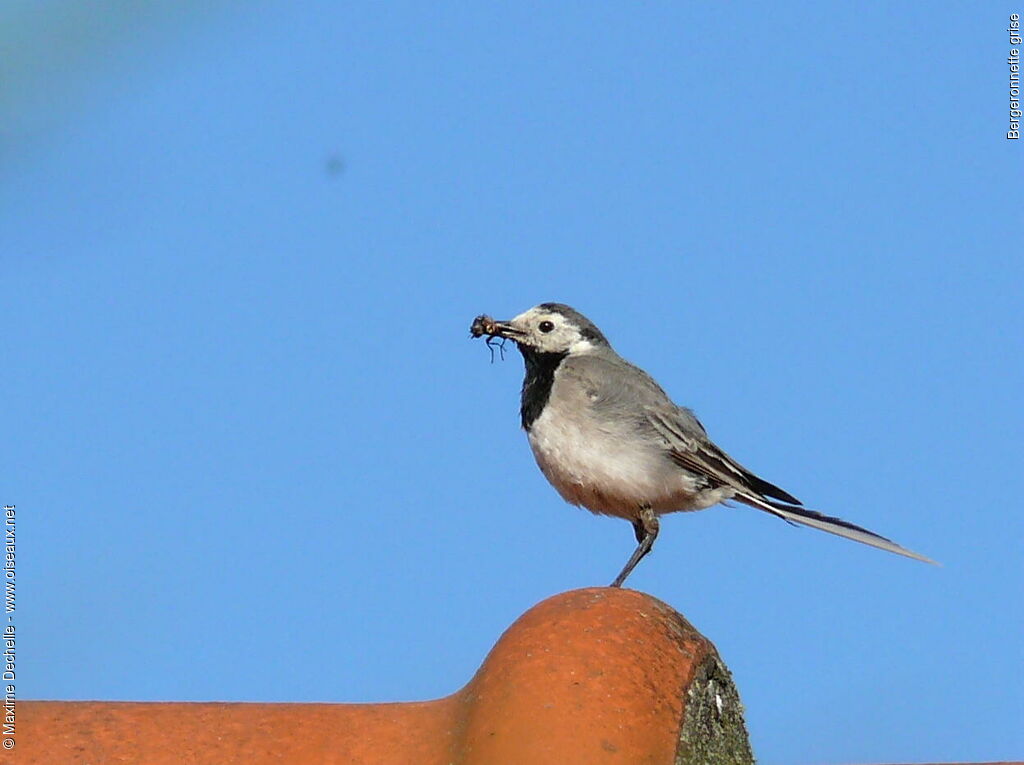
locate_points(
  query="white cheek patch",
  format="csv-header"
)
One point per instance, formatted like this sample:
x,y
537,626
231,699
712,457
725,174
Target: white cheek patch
x,y
581,346
524,318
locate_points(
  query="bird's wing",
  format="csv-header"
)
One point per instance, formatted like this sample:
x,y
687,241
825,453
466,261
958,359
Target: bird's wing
x,y
689,447
699,455
623,392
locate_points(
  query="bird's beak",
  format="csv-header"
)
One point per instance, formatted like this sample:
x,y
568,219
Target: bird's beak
x,y
485,325
506,329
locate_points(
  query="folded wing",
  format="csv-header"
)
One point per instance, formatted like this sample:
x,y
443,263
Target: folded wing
x,y
690,448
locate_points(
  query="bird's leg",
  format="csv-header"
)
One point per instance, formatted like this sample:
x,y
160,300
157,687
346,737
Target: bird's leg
x,y
646,528
639,531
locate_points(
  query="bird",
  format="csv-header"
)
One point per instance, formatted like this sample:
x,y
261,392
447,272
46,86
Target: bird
x,y
608,438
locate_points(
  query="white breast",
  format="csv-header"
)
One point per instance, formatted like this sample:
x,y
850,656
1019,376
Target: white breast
x,y
606,469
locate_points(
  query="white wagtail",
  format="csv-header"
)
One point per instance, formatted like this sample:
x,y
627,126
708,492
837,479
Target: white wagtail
x,y
607,437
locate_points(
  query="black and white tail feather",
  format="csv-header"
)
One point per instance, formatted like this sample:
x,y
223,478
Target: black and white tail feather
x,y
837,526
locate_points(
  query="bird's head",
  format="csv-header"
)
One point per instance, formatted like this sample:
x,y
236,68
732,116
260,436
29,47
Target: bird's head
x,y
552,328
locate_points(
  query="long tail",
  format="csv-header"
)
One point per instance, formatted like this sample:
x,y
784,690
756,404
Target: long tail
x,y
836,526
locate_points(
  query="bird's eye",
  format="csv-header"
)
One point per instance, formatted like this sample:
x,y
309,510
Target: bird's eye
x,y
546,326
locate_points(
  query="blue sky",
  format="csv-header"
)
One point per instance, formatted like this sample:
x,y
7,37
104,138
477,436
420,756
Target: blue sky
x,y
255,455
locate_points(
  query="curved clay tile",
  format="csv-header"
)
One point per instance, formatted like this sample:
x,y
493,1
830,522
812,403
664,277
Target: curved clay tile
x,y
591,676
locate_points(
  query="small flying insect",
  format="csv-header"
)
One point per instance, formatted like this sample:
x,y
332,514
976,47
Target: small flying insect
x,y
485,325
